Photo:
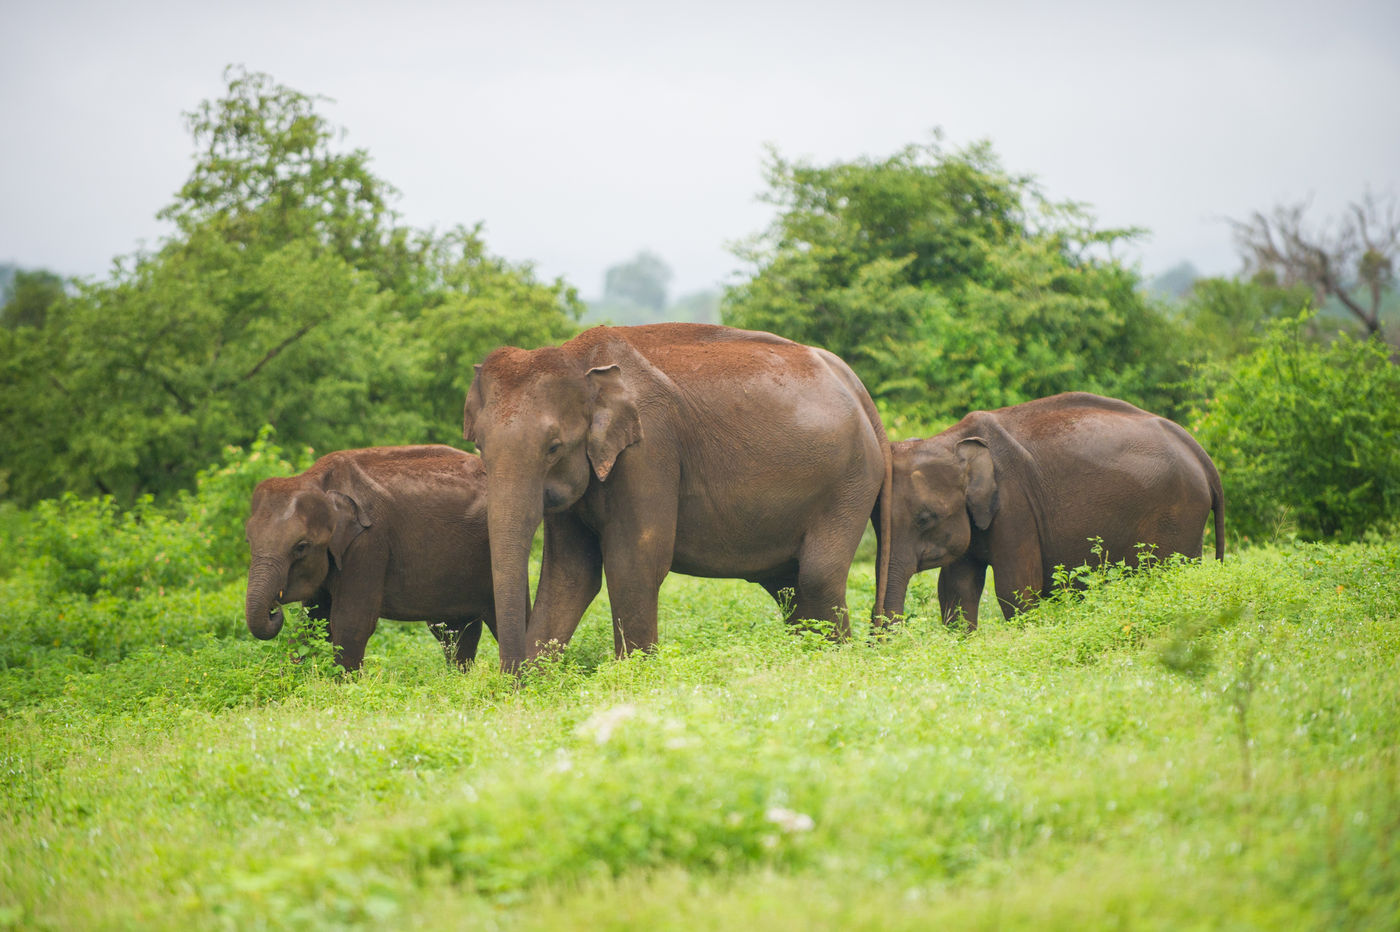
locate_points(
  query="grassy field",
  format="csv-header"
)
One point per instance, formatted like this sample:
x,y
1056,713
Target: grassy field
x,y
1212,745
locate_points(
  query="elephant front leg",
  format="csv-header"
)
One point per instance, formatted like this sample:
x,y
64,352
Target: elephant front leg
x,y
635,568
318,608
571,573
960,587
357,595
1018,576
350,633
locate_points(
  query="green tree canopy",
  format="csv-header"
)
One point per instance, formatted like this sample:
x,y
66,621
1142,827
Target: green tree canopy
x,y
1226,317
288,295
267,171
950,284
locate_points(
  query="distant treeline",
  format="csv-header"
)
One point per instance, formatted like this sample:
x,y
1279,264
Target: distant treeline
x,y
290,295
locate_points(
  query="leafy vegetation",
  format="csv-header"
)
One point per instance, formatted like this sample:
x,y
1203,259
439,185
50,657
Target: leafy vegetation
x,y
1082,764
1186,745
949,285
1306,435
26,296
289,295
94,582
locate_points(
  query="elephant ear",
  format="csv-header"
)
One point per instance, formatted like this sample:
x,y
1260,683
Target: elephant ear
x,y
615,423
980,475
349,521
354,496
471,407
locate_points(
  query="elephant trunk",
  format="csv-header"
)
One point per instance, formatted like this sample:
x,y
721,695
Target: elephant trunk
x,y
901,571
513,513
266,578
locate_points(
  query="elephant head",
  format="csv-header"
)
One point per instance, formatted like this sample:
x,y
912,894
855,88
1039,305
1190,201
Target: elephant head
x,y
545,424
296,529
943,487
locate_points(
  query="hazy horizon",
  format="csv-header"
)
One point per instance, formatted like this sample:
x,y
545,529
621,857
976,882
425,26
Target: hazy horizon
x,y
579,137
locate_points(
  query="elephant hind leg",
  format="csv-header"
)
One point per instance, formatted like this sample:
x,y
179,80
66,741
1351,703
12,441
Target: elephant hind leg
x,y
783,590
459,639
822,604
466,642
823,566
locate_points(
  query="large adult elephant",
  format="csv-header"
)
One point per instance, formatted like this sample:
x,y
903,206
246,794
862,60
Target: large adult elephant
x,y
1026,488
383,532
701,449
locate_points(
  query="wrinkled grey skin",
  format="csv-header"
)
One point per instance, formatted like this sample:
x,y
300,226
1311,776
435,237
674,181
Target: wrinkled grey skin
x,y
1023,489
384,532
704,450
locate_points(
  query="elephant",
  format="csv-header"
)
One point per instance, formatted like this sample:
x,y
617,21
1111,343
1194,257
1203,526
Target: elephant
x,y
1029,487
693,448
383,532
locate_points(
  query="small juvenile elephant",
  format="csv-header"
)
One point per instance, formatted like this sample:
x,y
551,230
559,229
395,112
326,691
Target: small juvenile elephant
x,y
384,532
1024,489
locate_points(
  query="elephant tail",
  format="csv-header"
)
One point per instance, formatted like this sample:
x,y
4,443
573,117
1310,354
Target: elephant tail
x,y
881,517
1217,507
1217,497
1217,490
883,536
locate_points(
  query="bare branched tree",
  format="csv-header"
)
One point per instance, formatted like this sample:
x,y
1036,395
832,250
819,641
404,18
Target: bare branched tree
x,y
1352,259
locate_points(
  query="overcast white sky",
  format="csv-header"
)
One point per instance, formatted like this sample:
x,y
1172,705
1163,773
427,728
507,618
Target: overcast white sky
x,y
583,132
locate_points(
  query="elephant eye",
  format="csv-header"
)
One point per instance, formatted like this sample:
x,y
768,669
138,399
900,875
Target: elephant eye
x,y
926,518
555,446
300,548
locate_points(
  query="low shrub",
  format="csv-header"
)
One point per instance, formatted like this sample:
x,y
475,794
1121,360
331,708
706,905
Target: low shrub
x,y
83,575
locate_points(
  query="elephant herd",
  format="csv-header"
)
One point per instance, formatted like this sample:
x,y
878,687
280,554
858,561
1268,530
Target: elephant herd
x,y
713,452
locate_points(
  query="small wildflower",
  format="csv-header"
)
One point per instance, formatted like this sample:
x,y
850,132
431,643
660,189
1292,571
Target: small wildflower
x,y
790,821
601,725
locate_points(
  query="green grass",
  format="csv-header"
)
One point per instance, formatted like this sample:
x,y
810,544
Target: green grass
x,y
1210,745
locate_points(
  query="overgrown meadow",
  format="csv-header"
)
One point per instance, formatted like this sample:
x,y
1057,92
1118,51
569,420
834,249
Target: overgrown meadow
x,y
1197,745
1210,745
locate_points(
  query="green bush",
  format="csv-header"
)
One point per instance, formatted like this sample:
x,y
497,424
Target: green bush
x,y
1306,435
86,577
218,508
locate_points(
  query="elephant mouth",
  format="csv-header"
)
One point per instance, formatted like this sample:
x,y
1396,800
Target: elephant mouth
x,y
274,617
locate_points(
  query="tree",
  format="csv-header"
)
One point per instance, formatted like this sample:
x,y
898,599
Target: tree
x,y
1175,283
476,302
1225,317
949,284
288,295
1352,259
266,171
28,297
642,280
